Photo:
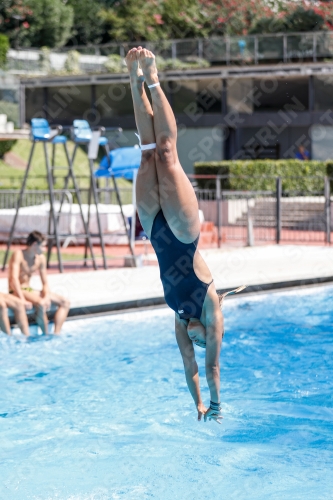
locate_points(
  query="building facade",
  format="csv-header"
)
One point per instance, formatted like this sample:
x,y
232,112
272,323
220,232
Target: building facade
x,y
222,112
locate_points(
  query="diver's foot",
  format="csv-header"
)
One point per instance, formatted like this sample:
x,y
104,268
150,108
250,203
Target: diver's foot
x,y
132,62
148,65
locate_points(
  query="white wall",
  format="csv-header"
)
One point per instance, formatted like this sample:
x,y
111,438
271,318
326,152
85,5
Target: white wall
x,y
199,144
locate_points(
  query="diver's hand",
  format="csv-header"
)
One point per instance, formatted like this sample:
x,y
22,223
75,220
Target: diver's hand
x,y
213,415
201,410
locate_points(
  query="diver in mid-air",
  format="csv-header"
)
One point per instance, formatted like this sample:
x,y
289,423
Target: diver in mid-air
x,y
169,213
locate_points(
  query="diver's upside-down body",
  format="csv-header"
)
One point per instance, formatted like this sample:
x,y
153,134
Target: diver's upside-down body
x,y
168,211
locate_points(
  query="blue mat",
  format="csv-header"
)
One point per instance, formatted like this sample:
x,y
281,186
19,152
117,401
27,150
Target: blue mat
x,y
123,161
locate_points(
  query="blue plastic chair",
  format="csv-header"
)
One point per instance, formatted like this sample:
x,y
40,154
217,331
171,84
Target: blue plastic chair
x,y
82,133
42,132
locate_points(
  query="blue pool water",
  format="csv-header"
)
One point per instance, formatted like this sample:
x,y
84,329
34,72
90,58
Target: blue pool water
x,y
103,412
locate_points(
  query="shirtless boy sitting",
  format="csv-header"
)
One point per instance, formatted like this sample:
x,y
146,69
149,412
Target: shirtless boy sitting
x,y
22,265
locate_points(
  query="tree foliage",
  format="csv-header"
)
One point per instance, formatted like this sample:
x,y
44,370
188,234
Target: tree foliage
x,y
54,23
50,23
13,20
36,23
302,19
133,20
88,25
4,46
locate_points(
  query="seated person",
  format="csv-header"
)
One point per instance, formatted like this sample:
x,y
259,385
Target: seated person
x,y
21,267
302,153
18,306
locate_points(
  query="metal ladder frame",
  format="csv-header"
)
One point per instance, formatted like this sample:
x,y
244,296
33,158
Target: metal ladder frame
x,y
53,234
92,151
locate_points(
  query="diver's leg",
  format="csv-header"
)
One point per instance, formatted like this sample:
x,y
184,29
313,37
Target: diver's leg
x,y
177,196
146,184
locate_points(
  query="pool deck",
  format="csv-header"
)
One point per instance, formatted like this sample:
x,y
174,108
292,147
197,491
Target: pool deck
x,y
261,268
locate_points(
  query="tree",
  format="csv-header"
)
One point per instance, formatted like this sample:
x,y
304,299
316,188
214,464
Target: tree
x,y
302,19
133,20
271,24
185,20
13,20
50,23
234,17
140,20
88,25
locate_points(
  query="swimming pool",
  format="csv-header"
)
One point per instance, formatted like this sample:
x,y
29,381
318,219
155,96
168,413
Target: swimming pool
x,y
103,412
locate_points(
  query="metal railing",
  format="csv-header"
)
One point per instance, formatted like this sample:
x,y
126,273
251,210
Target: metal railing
x,y
254,217
33,197
231,217
250,49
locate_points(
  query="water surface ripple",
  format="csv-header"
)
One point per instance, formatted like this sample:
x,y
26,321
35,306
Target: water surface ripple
x,y
103,412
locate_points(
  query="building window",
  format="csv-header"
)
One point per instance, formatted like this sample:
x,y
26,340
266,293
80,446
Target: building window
x,y
323,92
113,100
267,94
34,103
65,104
196,97
238,95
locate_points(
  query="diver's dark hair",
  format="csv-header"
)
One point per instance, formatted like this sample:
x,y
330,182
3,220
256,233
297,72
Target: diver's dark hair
x,y
35,237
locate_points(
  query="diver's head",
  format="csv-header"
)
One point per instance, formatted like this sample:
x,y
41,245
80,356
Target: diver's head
x,y
197,332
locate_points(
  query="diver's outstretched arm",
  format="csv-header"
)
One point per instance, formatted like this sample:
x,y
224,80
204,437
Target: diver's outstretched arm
x,y
190,365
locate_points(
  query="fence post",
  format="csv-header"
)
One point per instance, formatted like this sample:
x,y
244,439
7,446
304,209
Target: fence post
x,y
278,209
174,49
200,48
314,47
250,232
256,50
285,49
227,51
328,209
218,206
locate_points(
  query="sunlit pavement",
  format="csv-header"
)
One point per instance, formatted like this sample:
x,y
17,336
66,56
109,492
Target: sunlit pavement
x,y
230,267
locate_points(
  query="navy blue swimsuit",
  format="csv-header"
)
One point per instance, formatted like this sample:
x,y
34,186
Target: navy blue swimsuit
x,y
183,291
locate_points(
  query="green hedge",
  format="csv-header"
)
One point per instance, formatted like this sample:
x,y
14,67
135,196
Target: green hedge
x,y
5,146
260,175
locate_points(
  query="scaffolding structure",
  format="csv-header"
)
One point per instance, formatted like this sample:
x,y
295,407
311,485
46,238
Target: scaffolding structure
x,y
82,135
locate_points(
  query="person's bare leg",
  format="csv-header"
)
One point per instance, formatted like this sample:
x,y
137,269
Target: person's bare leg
x,y
41,318
40,308
61,313
177,197
20,314
146,185
4,320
